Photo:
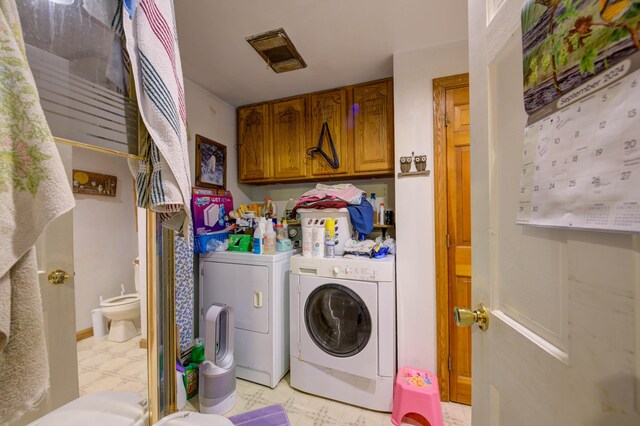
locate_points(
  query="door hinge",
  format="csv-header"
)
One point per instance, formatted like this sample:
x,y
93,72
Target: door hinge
x,y
446,119
449,363
448,241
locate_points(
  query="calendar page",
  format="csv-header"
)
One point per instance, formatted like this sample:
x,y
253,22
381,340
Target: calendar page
x,y
581,157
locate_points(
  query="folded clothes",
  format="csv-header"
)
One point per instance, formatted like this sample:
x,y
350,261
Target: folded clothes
x,y
318,205
345,192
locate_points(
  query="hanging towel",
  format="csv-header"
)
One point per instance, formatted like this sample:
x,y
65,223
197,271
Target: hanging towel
x,y
34,190
152,45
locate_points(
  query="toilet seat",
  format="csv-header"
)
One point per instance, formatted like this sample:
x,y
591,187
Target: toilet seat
x,y
187,418
99,409
120,300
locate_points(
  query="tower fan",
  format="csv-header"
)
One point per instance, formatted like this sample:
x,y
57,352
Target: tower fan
x,y
217,376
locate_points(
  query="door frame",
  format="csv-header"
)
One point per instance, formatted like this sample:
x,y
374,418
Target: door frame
x,y
440,87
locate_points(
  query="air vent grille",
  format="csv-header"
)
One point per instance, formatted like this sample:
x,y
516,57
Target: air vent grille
x,y
277,50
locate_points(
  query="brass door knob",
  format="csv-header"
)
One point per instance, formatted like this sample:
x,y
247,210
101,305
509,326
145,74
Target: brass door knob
x,y
58,277
465,317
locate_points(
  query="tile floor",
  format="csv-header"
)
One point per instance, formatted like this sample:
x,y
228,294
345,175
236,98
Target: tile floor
x,y
105,365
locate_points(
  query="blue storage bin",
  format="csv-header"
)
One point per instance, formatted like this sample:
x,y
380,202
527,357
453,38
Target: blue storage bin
x,y
208,243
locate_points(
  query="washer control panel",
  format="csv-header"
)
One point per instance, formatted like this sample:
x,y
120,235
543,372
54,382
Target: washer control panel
x,y
345,268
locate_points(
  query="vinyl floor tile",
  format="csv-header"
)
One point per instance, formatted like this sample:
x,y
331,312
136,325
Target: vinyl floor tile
x,y
105,365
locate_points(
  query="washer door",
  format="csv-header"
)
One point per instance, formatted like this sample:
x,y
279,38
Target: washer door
x,y
337,320
339,325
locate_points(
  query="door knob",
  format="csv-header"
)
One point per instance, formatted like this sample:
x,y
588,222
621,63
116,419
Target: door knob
x,y
465,317
58,277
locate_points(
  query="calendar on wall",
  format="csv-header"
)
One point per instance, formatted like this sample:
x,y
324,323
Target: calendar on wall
x,y
581,156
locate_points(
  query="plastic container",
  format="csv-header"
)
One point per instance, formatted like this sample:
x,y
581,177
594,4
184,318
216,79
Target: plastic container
x,y
344,229
181,399
307,236
318,237
257,239
100,327
210,242
269,240
289,208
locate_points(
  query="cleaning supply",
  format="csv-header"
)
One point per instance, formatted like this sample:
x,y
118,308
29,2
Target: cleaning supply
x,y
190,378
317,249
372,201
329,241
289,208
257,239
217,378
381,214
307,237
269,240
181,398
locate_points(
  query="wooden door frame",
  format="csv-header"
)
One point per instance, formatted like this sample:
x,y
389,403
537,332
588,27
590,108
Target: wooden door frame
x,y
440,87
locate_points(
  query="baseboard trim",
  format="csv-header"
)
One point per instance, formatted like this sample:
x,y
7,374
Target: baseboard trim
x,y
143,343
84,334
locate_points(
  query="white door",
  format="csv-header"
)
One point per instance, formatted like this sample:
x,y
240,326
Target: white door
x,y
54,251
562,347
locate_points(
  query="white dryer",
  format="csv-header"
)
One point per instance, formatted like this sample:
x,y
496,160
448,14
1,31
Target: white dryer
x,y
257,288
343,329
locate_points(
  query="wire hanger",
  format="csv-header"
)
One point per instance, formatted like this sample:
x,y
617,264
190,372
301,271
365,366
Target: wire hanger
x,y
334,162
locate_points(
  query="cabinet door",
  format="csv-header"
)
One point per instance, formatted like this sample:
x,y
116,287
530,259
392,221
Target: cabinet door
x,y
373,127
288,130
330,107
254,143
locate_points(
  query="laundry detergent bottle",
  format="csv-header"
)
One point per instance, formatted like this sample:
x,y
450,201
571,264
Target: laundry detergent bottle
x,y
269,239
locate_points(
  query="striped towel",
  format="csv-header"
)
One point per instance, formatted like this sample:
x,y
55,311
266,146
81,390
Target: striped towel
x,y
164,181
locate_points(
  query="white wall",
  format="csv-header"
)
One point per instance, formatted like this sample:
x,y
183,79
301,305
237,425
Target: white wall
x,y
413,74
211,117
104,236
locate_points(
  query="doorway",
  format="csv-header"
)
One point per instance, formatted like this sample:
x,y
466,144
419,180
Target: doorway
x,y
453,233
109,254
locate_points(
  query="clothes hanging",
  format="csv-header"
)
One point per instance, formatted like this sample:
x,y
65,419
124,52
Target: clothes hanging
x,y
155,61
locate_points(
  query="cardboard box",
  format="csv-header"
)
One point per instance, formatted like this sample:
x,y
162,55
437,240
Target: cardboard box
x,y
210,209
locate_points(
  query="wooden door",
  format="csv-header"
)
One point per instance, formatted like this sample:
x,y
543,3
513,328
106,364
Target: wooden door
x,y
373,127
563,343
54,250
288,135
459,239
254,143
329,107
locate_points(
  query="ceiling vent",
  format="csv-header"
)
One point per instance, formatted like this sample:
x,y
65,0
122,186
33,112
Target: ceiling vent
x,y
277,50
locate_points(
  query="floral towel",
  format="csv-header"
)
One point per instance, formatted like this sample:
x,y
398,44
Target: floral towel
x,y
34,190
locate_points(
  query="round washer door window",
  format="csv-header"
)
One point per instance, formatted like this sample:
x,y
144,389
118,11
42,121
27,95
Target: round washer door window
x,y
337,320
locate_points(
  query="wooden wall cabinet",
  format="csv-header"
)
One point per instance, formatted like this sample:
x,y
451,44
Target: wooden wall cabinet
x,y
273,137
331,107
373,127
254,144
289,138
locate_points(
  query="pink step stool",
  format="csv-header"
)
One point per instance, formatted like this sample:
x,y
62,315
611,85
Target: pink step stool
x,y
416,391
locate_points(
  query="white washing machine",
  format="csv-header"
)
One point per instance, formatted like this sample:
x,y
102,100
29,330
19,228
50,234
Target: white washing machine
x,y
257,288
343,329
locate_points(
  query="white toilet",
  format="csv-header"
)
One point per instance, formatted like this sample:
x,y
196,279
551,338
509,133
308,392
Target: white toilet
x,y
124,313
